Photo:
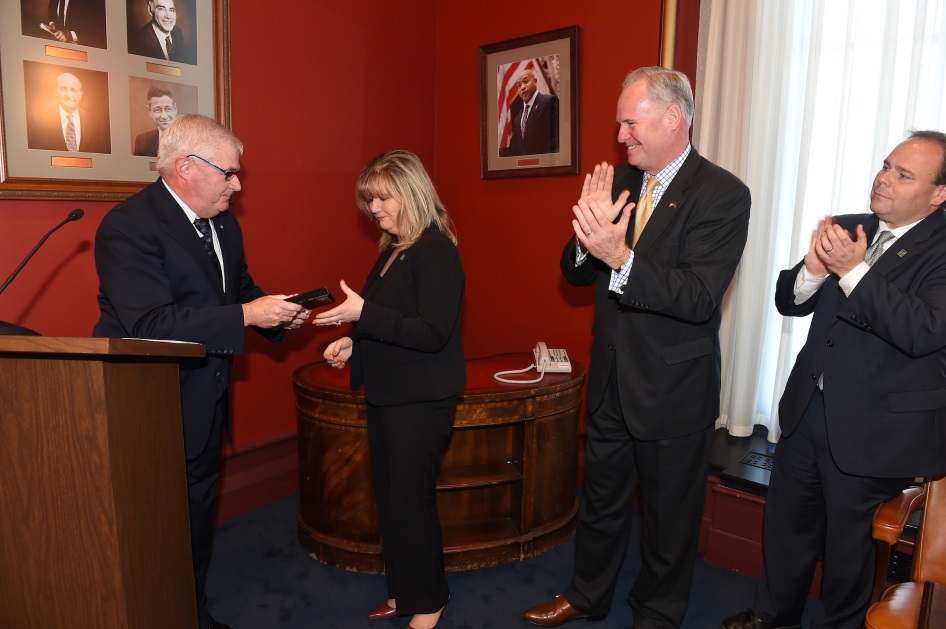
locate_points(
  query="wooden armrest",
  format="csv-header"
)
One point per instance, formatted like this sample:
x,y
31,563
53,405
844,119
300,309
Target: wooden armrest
x,y
891,516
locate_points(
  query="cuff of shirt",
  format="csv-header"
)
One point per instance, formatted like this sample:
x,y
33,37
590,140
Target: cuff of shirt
x,y
806,285
855,275
619,277
580,254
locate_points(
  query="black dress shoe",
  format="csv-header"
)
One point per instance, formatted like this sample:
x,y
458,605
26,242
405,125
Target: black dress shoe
x,y
748,620
555,613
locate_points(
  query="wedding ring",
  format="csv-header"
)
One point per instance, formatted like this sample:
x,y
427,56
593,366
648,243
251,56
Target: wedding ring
x,y
588,233
829,250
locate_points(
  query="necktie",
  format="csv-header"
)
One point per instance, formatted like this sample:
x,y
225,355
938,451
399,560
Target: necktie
x,y
72,143
203,226
645,207
170,46
522,124
877,249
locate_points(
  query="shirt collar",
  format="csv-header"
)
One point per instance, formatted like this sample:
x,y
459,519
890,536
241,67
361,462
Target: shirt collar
x,y
665,176
191,215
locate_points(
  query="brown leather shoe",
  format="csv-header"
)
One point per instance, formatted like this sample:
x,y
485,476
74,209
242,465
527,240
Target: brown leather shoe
x,y
748,620
382,611
556,613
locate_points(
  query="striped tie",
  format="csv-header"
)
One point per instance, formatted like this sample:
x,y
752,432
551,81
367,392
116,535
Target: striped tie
x,y
72,144
877,249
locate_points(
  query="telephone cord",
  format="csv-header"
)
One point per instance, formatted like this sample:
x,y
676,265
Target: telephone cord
x,y
498,375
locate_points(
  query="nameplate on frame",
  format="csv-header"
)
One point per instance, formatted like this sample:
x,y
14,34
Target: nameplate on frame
x,y
71,162
532,162
157,68
67,53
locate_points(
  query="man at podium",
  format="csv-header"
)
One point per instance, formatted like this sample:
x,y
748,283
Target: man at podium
x,y
171,267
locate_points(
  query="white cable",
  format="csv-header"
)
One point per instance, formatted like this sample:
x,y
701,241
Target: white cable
x,y
498,375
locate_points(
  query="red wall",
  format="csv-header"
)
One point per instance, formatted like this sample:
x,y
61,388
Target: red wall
x,y
512,231
313,106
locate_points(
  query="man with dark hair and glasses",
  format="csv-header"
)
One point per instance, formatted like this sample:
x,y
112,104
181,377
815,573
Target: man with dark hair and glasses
x,y
171,267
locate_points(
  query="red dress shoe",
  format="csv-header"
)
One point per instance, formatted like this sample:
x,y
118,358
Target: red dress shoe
x,y
382,611
556,613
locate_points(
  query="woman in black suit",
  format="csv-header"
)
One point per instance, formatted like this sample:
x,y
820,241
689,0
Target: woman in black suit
x,y
406,350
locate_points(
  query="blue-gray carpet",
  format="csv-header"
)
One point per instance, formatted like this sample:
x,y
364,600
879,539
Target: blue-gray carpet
x,y
260,578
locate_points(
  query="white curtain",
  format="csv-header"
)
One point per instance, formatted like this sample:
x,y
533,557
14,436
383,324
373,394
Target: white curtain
x,y
803,100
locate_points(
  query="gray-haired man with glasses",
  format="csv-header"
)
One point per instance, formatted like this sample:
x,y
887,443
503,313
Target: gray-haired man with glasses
x,y
171,266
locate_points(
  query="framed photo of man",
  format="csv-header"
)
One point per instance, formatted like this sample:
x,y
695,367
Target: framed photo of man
x,y
152,106
529,106
87,87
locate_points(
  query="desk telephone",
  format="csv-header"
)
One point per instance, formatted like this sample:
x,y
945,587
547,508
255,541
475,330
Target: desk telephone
x,y
545,361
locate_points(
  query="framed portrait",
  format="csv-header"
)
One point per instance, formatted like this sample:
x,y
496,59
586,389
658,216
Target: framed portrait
x,y
86,89
529,106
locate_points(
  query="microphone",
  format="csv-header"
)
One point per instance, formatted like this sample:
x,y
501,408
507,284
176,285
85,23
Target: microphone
x,y
5,328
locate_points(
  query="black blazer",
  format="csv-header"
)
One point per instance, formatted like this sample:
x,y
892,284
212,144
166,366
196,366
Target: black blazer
x,y
44,131
664,330
541,128
145,42
156,282
882,350
147,143
407,345
86,18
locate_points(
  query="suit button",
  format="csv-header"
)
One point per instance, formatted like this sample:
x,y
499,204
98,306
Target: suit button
x,y
814,376
610,347
830,343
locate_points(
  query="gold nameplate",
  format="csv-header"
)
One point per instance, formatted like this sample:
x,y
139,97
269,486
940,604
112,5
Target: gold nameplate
x,y
157,68
71,162
67,53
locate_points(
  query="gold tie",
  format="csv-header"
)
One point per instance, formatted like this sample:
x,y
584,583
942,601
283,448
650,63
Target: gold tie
x,y
645,207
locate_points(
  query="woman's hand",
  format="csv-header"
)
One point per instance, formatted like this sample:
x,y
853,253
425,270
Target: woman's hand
x,y
338,353
347,311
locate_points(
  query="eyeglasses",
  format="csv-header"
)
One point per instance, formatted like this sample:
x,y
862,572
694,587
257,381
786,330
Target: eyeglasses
x,y
227,174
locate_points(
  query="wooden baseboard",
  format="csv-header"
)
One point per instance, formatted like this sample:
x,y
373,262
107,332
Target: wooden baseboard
x,y
257,475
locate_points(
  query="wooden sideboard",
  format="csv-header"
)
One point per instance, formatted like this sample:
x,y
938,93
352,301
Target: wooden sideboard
x,y
507,484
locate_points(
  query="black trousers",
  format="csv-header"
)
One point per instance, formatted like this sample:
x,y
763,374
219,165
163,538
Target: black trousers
x,y
406,444
812,507
203,473
671,474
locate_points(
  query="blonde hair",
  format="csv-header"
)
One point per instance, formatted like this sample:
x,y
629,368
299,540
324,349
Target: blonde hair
x,y
400,174
193,133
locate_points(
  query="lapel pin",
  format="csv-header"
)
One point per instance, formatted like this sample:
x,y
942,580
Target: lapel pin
x,y
402,257
672,205
902,252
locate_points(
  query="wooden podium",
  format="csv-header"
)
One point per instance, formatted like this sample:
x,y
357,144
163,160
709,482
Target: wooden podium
x,y
93,500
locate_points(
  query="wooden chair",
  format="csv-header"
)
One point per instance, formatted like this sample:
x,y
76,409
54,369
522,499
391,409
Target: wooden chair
x,y
922,601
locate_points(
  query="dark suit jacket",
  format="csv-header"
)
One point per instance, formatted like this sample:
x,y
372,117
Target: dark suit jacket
x,y
664,330
407,343
145,42
85,17
44,131
156,282
882,351
147,143
541,128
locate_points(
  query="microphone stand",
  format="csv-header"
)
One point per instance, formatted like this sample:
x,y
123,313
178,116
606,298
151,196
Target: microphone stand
x,y
11,328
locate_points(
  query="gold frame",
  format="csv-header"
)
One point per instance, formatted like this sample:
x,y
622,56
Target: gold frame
x,y
107,186
668,34
561,44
